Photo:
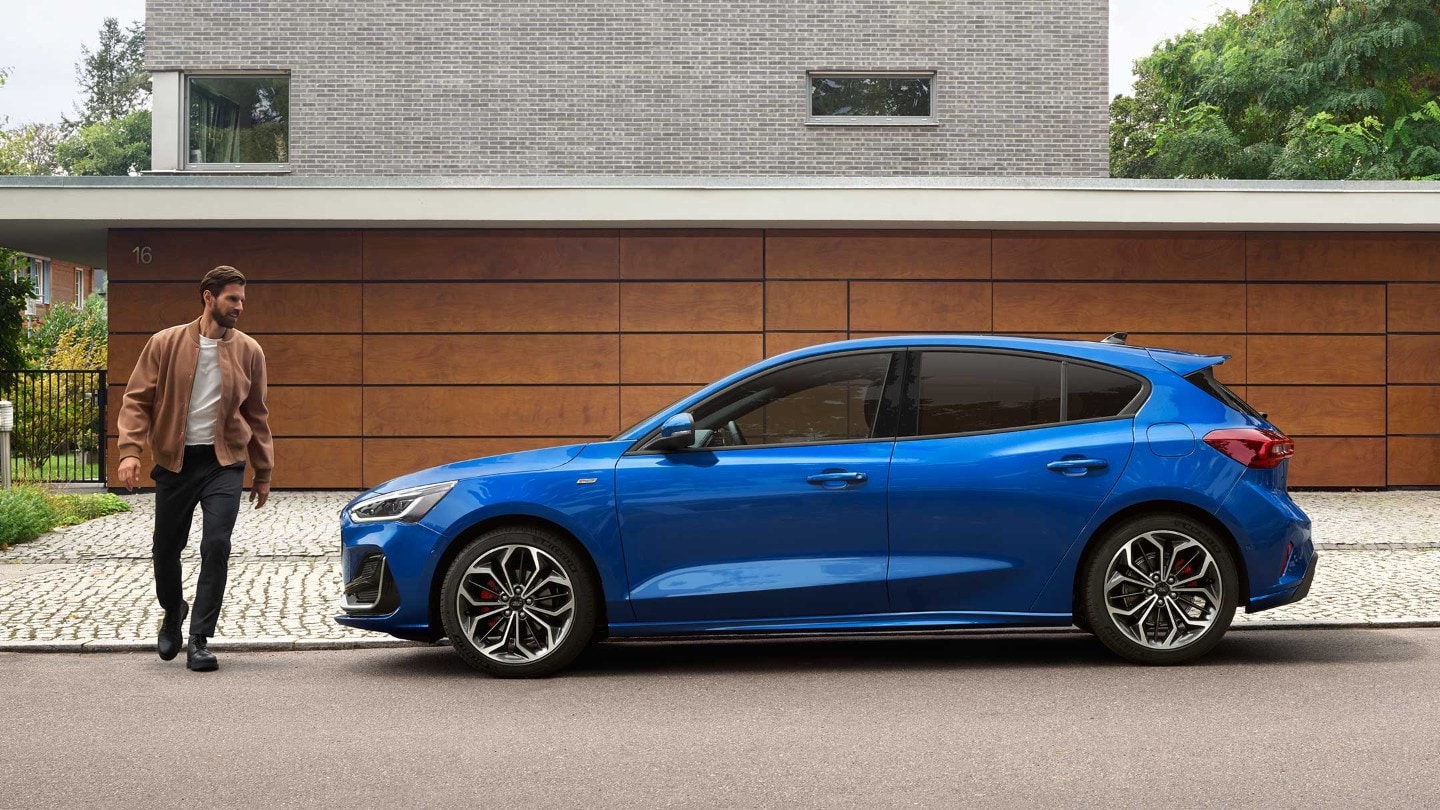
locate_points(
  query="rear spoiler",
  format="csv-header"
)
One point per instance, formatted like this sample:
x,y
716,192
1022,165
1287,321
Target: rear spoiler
x,y
1185,363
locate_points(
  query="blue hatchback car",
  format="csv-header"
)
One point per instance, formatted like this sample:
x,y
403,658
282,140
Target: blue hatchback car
x,y
883,484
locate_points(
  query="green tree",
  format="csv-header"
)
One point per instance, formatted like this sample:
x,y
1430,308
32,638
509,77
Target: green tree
x,y
87,325
29,149
15,287
1293,89
113,76
118,146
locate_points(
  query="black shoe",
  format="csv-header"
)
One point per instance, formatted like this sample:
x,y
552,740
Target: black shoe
x,y
198,658
170,642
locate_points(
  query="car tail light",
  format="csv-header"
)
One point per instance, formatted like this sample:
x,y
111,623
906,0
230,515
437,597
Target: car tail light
x,y
1254,447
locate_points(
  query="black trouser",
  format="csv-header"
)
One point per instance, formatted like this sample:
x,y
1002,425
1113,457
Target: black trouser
x,y
216,489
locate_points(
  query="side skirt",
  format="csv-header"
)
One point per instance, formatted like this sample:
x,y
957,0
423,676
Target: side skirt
x,y
842,624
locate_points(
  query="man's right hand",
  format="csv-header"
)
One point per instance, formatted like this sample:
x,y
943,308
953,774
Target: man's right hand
x,y
130,472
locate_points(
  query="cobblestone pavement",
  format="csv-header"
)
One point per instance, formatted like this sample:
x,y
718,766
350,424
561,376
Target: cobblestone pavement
x,y
91,584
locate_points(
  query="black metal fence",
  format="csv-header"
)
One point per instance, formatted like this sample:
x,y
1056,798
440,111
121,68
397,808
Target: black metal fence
x,y
59,433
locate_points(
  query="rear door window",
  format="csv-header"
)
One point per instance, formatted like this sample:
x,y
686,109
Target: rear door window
x,y
971,392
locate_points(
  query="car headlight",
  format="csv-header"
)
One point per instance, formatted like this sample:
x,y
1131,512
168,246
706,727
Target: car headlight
x,y
406,505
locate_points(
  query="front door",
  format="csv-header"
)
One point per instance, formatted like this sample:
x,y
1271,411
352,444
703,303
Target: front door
x,y
778,510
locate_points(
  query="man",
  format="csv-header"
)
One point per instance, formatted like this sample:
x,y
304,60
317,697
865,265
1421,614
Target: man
x,y
197,399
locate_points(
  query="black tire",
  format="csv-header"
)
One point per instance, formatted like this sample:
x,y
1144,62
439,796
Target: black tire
x,y
1176,530
582,586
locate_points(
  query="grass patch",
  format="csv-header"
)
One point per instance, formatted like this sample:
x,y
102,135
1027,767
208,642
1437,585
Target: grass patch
x,y
26,511
55,468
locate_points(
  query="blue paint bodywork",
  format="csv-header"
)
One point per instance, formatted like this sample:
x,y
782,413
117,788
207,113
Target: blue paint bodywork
x,y
943,531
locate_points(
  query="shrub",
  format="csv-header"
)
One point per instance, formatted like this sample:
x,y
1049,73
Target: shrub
x,y
26,512
73,509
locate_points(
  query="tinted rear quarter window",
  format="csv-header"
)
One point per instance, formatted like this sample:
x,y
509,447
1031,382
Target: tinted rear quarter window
x,y
967,392
1095,393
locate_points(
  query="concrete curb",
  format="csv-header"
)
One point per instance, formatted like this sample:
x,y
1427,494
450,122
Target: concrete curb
x,y
302,644
218,645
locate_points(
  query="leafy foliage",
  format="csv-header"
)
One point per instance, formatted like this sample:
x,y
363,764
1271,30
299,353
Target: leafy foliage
x,y
27,511
87,329
58,417
29,149
25,514
117,146
14,289
73,509
1294,89
111,136
113,75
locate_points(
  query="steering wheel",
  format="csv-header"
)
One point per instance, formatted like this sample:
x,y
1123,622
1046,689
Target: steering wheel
x,y
733,436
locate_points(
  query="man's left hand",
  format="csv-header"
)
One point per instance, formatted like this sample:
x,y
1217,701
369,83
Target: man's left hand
x,y
259,493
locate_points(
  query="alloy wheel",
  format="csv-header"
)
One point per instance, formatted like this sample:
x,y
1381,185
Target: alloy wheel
x,y
516,604
1163,590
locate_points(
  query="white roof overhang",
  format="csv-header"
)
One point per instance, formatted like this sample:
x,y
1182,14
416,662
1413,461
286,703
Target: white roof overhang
x,y
69,217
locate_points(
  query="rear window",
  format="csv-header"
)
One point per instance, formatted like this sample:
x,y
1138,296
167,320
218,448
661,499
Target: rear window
x,y
1205,381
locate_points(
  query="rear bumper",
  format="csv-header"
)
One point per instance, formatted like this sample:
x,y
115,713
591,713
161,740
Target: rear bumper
x,y
1290,595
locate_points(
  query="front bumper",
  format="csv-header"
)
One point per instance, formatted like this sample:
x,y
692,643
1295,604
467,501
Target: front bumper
x,y
387,569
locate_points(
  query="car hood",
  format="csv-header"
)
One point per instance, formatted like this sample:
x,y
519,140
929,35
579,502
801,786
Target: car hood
x,y
546,458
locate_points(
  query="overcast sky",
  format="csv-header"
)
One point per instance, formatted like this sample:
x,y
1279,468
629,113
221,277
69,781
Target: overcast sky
x,y
40,42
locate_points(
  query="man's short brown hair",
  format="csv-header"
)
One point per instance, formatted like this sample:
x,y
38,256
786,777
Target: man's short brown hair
x,y
220,278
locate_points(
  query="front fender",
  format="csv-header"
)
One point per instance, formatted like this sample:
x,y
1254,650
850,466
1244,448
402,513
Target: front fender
x,y
579,498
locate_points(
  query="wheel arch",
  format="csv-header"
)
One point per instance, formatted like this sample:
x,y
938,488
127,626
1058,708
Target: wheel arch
x,y
1157,507
462,539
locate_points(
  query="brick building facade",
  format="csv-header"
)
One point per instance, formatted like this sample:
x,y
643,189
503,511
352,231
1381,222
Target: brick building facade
x,y
672,87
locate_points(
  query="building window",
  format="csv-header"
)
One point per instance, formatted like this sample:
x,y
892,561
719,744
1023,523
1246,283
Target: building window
x,y
38,271
79,287
237,122
903,99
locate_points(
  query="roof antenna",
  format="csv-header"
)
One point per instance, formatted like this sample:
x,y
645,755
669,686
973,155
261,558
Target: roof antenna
x,y
1116,338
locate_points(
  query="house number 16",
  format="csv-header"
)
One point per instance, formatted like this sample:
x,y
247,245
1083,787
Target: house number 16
x,y
142,255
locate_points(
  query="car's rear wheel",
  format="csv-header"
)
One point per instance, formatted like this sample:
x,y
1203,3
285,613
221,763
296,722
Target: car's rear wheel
x,y
518,602
1161,589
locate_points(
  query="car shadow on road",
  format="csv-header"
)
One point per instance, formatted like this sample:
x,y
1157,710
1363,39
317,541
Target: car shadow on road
x,y
954,651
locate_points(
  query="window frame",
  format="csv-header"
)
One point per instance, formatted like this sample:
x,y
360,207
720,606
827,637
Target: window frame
x,y
888,416
186,165
910,409
811,119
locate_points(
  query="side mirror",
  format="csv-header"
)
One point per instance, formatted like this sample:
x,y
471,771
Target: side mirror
x,y
678,432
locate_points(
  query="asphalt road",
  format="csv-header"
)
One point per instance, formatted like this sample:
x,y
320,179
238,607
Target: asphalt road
x,y
1283,718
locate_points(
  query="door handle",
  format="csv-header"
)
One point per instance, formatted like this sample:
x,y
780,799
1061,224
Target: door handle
x,y
828,478
1077,466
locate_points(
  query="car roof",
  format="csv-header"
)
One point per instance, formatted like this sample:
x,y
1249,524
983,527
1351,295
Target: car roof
x,y
1132,358
1119,354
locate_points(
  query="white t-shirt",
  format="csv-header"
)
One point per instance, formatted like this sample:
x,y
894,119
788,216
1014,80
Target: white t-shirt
x,y
205,395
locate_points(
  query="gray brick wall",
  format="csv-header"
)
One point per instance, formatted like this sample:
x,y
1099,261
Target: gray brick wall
x,y
648,87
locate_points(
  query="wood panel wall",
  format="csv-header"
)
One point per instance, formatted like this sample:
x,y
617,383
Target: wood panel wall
x,y
394,350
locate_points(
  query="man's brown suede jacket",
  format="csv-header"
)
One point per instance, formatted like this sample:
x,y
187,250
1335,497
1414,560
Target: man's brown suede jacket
x,y
157,400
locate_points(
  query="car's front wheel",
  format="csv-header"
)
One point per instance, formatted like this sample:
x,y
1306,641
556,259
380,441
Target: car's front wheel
x,y
518,602
1161,589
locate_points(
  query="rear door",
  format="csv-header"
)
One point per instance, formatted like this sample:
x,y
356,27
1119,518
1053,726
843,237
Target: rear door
x,y
1008,457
